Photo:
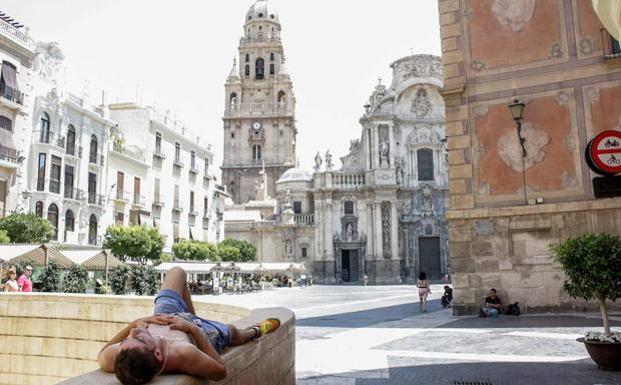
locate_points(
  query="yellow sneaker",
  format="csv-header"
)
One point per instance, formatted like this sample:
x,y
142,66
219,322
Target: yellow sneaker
x,y
267,326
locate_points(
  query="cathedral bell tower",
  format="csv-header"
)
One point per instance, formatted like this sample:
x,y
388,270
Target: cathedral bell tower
x,y
259,114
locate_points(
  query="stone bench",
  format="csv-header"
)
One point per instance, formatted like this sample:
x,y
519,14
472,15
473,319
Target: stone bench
x,y
56,337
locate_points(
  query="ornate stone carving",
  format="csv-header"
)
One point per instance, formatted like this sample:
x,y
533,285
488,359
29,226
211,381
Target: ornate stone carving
x,y
586,45
421,106
484,188
563,98
421,66
510,150
318,162
352,161
513,14
386,249
556,51
384,154
426,205
48,60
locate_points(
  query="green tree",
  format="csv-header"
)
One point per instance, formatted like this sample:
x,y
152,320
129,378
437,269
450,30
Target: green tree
x,y
591,265
137,243
4,237
248,252
27,228
51,280
76,280
229,253
144,280
195,251
119,280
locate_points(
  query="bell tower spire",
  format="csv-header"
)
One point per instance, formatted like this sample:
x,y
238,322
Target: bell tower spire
x,y
259,115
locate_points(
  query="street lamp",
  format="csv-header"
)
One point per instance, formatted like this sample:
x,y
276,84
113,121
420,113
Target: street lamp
x,y
517,113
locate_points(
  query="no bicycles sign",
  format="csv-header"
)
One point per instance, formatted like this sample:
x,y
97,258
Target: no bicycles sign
x,y
604,153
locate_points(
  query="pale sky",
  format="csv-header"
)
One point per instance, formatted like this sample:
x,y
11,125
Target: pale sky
x,y
177,55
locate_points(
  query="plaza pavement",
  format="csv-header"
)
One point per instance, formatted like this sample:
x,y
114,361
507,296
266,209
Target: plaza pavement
x,y
354,335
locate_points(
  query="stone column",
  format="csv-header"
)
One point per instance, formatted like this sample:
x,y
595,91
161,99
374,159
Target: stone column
x,y
394,232
377,227
406,241
375,147
370,215
391,144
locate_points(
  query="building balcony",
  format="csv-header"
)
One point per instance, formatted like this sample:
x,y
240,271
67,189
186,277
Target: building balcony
x,y
177,208
139,201
178,163
257,109
121,196
159,154
11,95
95,199
49,138
17,35
73,151
96,160
54,186
176,216
205,223
10,157
348,180
194,170
157,202
192,218
73,193
304,219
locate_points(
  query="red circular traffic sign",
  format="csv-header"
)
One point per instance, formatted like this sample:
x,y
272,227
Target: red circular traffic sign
x,y
605,152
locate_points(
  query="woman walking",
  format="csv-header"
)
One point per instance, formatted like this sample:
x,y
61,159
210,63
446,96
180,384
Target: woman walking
x,y
11,283
423,290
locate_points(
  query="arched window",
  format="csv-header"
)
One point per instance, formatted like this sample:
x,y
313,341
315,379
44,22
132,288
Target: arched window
x,y
256,152
259,69
69,221
272,56
6,123
52,217
349,208
93,152
247,58
233,99
192,159
281,96
92,230
272,69
45,128
39,209
70,140
424,158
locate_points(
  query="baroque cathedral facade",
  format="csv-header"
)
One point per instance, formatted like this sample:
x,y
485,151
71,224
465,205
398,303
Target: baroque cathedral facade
x,y
380,216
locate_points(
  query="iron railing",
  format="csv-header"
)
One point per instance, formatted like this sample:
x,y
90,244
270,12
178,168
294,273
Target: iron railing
x,y
95,199
9,154
73,193
55,186
11,94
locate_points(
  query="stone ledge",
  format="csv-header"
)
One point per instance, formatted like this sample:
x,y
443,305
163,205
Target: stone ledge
x,y
549,208
269,360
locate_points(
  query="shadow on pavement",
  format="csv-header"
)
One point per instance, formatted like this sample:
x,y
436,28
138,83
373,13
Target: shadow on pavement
x,y
525,321
581,372
367,318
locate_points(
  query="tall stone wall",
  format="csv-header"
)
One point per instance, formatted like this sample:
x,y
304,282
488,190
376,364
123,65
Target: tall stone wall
x,y
548,54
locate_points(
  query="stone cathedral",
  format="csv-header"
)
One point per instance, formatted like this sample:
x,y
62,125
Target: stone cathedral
x,y
259,118
380,216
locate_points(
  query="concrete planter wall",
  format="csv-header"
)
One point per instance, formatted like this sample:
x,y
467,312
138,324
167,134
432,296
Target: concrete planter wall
x,y
56,337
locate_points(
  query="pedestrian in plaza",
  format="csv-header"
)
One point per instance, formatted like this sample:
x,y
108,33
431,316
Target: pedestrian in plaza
x,y
24,282
11,286
493,305
447,297
424,290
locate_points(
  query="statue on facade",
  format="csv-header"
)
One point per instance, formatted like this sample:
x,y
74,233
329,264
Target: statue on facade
x,y
399,163
421,105
48,60
318,162
384,154
329,164
349,232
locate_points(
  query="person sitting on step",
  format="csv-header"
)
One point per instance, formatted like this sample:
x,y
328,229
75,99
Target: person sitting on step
x,y
493,305
174,339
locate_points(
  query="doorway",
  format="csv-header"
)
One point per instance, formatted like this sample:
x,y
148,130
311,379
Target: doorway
x,y
429,252
350,266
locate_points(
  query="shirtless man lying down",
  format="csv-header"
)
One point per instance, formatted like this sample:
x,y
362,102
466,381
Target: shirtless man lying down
x,y
174,340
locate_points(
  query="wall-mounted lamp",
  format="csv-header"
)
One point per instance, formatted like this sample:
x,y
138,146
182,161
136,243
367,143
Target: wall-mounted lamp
x,y
517,112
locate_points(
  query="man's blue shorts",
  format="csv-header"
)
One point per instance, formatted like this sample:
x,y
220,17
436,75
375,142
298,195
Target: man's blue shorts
x,y
170,302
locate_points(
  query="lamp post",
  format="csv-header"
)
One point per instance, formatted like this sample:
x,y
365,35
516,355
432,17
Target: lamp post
x,y
517,113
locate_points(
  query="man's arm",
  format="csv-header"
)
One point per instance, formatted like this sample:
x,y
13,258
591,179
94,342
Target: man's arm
x,y
202,343
20,282
195,362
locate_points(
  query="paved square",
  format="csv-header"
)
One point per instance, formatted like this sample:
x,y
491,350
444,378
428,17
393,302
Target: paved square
x,y
355,335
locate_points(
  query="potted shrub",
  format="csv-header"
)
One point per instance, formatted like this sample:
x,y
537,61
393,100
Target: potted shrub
x,y
591,263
